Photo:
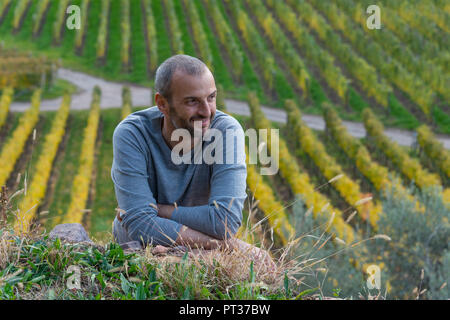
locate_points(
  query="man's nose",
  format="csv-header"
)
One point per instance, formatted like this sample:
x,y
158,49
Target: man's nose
x,y
205,109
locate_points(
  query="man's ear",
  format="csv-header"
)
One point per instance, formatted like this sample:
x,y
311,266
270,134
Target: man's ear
x,y
162,103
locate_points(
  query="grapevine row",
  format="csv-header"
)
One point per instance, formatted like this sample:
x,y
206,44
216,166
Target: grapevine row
x,y
281,44
103,30
82,181
254,43
356,66
126,33
270,206
272,209
175,33
19,11
426,27
14,146
39,14
414,40
60,21
392,70
151,35
297,180
226,37
321,58
434,149
347,188
5,102
430,73
126,102
410,167
36,190
84,18
199,34
23,72
3,5
381,178
429,10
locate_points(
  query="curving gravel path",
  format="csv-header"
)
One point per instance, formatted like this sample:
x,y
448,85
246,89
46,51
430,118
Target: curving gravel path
x,y
142,96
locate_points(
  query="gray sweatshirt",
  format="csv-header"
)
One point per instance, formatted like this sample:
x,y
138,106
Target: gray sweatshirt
x,y
208,196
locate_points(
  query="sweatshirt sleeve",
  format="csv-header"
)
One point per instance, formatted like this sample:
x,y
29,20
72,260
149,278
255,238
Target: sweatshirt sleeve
x,y
130,177
222,216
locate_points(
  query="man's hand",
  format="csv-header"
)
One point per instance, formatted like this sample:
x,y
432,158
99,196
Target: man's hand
x,y
260,256
165,210
194,239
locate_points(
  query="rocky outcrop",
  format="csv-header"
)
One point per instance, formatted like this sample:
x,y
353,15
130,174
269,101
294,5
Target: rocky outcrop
x,y
70,232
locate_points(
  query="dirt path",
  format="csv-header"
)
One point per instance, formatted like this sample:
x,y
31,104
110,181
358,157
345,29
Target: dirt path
x,y
141,96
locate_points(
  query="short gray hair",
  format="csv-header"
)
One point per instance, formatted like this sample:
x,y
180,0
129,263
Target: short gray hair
x,y
187,64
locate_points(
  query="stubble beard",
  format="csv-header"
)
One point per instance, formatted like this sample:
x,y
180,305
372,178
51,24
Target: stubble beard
x,y
185,124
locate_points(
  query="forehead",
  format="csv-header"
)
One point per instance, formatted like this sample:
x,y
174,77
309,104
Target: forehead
x,y
184,85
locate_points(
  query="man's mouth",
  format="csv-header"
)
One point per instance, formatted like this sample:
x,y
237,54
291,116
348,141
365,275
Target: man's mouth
x,y
205,122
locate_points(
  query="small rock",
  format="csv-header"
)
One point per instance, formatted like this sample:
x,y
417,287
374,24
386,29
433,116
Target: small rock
x,y
70,232
131,246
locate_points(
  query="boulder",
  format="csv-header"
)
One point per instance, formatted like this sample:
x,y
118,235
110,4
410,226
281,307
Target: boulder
x,y
131,246
70,232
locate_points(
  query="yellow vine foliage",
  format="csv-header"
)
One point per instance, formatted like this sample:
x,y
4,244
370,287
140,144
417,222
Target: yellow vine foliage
x,y
5,102
393,71
414,16
272,208
60,20
377,174
226,37
126,32
175,33
410,167
446,197
358,67
42,6
38,186
82,31
347,188
14,146
427,49
103,29
299,181
431,74
281,44
82,181
3,6
199,34
19,11
126,102
151,34
254,42
434,149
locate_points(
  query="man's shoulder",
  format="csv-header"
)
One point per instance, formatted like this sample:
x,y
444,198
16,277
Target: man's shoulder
x,y
144,119
141,117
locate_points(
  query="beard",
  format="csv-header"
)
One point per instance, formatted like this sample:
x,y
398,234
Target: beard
x,y
188,124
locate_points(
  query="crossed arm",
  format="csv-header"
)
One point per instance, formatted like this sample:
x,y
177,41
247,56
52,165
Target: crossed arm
x,y
195,239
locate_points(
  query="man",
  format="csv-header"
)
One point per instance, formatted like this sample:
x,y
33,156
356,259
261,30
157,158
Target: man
x,y
168,204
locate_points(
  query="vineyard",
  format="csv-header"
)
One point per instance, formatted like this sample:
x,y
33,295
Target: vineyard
x,y
301,56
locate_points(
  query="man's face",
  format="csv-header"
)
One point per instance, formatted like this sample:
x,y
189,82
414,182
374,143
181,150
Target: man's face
x,y
193,99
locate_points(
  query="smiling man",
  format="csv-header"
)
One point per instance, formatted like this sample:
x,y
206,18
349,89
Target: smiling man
x,y
167,204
